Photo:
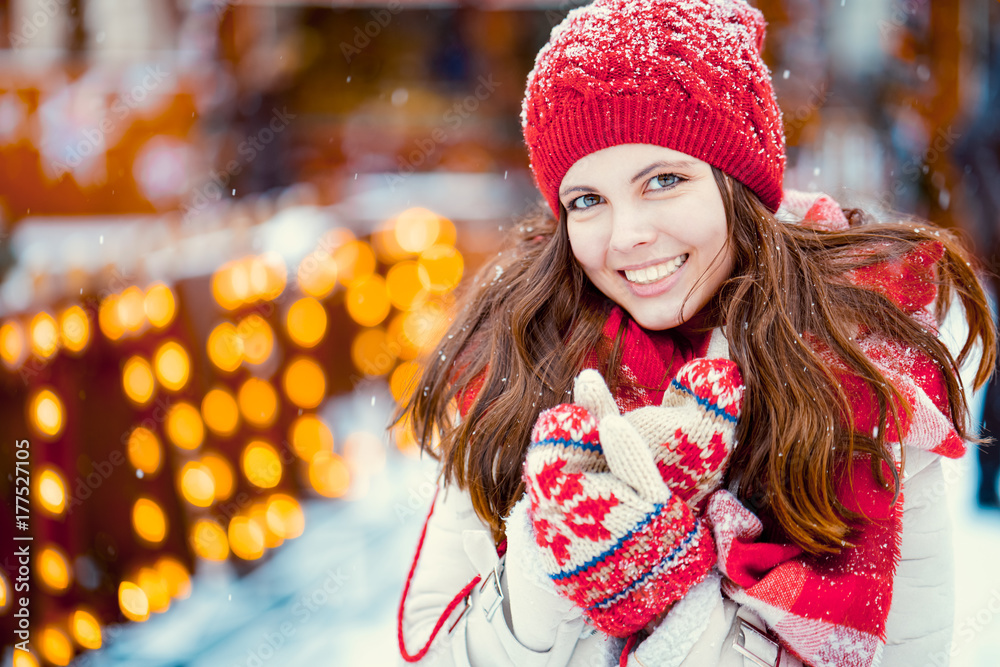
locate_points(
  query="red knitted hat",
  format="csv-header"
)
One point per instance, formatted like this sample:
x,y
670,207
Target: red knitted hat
x,y
683,74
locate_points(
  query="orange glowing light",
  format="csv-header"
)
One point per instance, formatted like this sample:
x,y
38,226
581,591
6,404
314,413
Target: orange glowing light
x,y
184,426
402,380
148,521
172,365
368,301
13,346
133,601
304,383
46,414
144,450
108,320
306,322
417,229
329,475
258,338
372,352
285,517
86,629
209,541
55,646
50,490
159,305
138,381
222,474
220,412
440,268
309,435
355,260
317,274
176,575
261,464
132,309
258,402
155,587
197,484
53,568
74,329
246,538
404,285
44,335
225,347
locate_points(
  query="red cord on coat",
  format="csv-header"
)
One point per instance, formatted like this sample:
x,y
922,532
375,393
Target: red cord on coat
x,y
447,611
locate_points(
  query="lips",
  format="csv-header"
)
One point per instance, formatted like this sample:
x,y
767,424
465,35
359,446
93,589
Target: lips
x,y
651,274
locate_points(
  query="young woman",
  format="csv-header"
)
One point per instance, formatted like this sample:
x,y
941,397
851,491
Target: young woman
x,y
752,467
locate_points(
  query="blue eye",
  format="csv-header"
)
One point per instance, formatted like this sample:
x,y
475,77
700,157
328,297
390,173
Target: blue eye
x,y
664,181
584,201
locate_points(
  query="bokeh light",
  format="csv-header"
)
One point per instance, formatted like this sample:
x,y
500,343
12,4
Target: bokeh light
x,y
197,484
4,592
44,335
25,659
86,629
261,464
53,569
50,491
258,402
144,450
397,341
208,540
13,346
440,268
306,322
74,329
372,352
176,575
222,474
225,347
309,435
148,521
304,383
132,309
355,260
417,229
108,320
172,365
329,475
133,601
268,276
159,305
155,587
220,412
284,516
258,338
317,274
138,381
368,301
231,284
46,414
55,646
404,285
184,426
246,538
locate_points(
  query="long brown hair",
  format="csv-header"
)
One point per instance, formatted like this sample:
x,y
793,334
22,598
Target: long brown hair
x,y
525,324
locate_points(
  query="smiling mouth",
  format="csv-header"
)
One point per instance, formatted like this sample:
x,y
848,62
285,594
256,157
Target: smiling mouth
x,y
651,274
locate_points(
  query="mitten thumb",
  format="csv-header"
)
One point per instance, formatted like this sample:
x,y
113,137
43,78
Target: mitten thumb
x,y
591,392
630,458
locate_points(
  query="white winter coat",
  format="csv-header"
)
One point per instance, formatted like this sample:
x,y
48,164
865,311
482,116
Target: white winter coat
x,y
458,546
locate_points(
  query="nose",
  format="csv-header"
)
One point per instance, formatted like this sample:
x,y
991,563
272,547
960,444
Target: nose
x,y
631,227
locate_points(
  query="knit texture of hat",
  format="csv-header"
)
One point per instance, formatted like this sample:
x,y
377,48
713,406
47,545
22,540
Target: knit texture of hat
x,y
683,74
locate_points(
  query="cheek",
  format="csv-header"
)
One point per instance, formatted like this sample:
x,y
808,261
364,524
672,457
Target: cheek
x,y
587,248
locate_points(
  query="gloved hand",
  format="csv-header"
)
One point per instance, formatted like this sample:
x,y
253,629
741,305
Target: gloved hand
x,y
614,538
691,433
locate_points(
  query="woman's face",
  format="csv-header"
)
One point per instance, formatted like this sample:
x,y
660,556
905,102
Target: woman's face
x,y
648,226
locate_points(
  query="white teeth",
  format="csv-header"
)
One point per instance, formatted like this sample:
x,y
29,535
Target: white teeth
x,y
651,274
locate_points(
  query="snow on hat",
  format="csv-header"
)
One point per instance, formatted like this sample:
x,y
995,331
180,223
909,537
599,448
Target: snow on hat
x,y
683,74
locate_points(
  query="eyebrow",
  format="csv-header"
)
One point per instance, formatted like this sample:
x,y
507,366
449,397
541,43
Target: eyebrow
x,y
671,164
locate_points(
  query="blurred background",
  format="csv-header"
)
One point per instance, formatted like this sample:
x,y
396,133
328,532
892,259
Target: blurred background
x,y
229,228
